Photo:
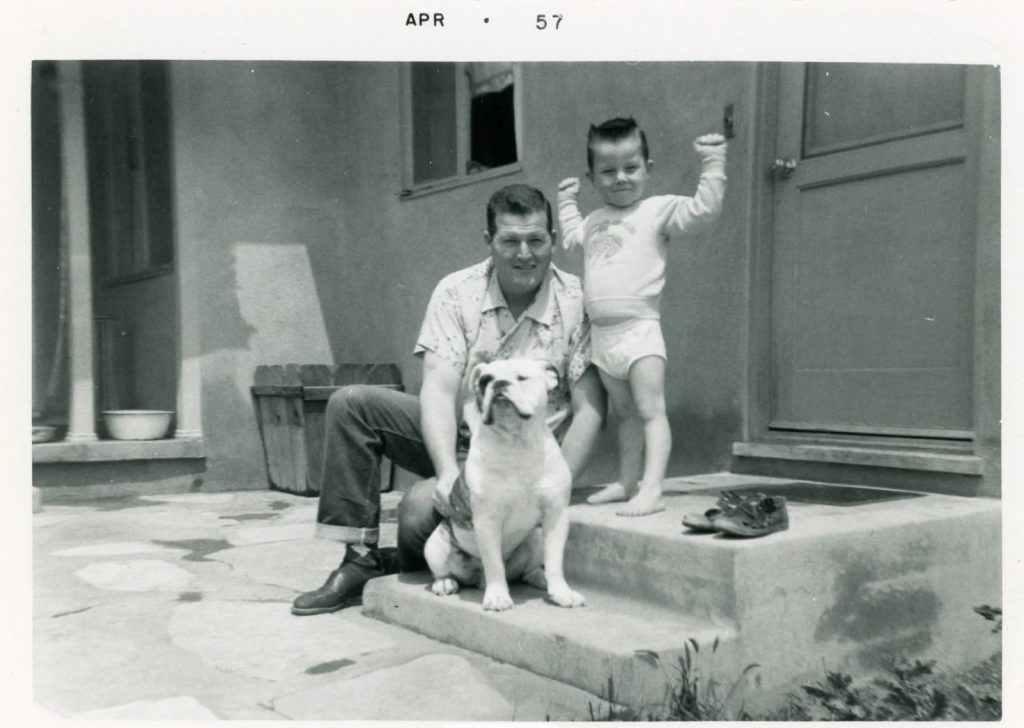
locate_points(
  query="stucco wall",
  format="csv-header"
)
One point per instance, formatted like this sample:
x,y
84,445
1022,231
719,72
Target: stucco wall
x,y
292,171
398,248
257,180
288,178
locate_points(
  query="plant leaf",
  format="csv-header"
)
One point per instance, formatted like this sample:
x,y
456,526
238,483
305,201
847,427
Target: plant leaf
x,y
817,692
648,656
939,705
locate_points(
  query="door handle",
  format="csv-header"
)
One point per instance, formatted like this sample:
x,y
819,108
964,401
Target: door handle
x,y
784,167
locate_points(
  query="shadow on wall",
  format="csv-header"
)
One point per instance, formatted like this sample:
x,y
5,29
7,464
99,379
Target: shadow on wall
x,y
702,442
234,451
260,162
261,298
275,300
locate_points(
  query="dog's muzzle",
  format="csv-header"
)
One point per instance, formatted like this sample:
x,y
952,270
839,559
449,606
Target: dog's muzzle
x,y
493,392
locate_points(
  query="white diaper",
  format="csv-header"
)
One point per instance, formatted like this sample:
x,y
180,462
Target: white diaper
x,y
616,346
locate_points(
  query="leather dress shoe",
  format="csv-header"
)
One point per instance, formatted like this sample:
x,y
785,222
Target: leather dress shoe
x,y
344,586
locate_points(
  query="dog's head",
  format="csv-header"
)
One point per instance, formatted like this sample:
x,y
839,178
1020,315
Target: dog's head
x,y
515,389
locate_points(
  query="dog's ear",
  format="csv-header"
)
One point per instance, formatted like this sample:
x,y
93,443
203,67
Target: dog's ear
x,y
474,375
552,377
474,388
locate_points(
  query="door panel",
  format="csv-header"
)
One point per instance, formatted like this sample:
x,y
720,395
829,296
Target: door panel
x,y
852,104
872,268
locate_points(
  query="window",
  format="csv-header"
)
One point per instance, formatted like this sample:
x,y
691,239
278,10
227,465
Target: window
x,y
128,139
462,123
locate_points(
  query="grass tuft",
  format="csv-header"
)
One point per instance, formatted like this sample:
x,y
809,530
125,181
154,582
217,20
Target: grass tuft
x,y
906,690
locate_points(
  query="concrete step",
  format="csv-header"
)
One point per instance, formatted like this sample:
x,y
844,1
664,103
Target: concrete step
x,y
655,558
632,643
842,588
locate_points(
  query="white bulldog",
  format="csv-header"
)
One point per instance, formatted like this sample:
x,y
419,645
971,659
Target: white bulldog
x,y
514,520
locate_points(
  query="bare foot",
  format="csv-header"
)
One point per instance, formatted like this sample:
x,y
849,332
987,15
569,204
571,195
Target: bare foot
x,y
609,494
643,503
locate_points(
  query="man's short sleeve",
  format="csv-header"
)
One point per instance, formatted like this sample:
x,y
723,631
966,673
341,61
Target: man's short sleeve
x,y
443,331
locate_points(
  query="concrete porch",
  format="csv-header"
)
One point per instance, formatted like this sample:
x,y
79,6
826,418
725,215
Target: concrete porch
x,y
845,586
176,606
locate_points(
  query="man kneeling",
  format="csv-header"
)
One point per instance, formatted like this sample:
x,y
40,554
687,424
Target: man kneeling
x,y
513,304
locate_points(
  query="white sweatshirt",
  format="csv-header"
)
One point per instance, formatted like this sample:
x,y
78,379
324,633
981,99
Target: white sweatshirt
x,y
625,248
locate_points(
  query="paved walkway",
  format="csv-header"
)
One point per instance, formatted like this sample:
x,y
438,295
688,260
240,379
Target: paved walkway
x,y
177,607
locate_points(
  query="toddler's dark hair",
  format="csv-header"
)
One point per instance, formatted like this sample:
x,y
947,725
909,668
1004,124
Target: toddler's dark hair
x,y
517,200
612,131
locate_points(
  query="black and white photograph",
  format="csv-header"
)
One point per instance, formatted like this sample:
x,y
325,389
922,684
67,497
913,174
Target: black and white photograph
x,y
485,361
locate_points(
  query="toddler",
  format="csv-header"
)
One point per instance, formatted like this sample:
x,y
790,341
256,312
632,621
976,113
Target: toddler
x,y
624,244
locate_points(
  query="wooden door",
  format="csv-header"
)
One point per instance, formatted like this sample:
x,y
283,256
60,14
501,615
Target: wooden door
x,y
873,251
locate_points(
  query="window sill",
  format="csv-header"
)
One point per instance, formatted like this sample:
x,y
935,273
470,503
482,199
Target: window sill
x,y
115,450
453,182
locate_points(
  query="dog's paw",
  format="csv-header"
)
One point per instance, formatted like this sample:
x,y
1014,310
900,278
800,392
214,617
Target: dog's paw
x,y
444,586
497,599
566,597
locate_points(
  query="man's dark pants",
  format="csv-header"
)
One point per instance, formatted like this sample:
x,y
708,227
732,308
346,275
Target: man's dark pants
x,y
362,424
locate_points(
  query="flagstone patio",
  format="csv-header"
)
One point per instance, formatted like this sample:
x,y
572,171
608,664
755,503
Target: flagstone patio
x,y
177,607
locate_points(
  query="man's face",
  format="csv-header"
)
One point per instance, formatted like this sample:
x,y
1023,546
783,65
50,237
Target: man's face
x,y
521,248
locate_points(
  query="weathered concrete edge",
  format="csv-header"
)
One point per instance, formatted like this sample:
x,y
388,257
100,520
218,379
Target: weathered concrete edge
x,y
638,679
858,599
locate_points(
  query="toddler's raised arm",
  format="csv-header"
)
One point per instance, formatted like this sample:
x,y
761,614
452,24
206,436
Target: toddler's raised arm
x,y
569,218
692,214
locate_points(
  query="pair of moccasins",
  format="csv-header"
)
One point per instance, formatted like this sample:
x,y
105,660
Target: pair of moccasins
x,y
745,515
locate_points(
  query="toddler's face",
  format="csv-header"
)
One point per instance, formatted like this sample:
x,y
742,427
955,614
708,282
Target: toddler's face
x,y
620,171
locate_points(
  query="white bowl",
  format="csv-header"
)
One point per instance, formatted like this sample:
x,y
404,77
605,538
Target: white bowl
x,y
137,424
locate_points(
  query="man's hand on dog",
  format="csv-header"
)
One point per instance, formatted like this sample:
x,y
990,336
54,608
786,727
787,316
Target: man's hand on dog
x,y
443,492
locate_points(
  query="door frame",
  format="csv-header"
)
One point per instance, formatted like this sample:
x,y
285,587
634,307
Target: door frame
x,y
982,115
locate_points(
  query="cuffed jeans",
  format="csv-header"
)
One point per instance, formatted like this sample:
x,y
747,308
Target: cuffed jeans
x,y
362,424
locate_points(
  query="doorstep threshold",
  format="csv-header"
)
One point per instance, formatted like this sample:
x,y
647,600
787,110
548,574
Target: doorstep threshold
x,y
177,448
939,462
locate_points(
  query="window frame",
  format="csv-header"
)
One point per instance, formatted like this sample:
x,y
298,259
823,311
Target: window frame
x,y
412,190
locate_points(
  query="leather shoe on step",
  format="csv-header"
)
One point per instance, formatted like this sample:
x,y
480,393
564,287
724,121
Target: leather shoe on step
x,y
756,515
344,586
728,502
